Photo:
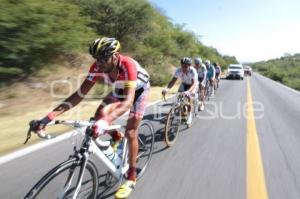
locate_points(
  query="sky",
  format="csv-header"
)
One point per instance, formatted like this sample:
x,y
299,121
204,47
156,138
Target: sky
x,y
250,30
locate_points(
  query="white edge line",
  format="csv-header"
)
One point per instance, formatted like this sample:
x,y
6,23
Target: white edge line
x,y
32,148
40,145
280,84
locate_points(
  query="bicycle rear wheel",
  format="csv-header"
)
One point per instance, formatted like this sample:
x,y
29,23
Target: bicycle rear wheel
x,y
146,142
61,182
172,125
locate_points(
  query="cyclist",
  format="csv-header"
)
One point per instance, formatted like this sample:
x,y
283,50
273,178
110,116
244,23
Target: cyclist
x,y
189,82
211,73
131,90
218,73
201,70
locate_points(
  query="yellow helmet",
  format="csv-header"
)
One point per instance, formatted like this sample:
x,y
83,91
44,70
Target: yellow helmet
x,y
104,47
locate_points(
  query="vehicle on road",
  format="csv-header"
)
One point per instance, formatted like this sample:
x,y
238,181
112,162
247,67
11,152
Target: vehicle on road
x,y
235,71
247,70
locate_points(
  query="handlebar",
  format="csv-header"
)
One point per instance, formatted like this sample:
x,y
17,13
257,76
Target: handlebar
x,y
72,123
164,97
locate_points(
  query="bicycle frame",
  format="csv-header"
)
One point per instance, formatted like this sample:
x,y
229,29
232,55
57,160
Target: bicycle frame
x,y
88,147
78,163
116,172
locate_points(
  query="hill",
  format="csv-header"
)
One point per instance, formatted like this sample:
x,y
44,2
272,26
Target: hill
x,y
285,69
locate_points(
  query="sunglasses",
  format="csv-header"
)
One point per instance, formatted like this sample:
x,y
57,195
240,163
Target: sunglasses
x,y
185,65
102,59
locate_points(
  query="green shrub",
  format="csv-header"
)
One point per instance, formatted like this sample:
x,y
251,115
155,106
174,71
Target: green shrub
x,y
160,75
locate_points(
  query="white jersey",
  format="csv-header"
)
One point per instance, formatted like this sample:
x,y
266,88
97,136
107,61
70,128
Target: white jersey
x,y
186,78
201,71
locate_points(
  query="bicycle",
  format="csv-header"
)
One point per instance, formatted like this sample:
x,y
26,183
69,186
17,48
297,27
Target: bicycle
x,y
77,177
208,90
178,111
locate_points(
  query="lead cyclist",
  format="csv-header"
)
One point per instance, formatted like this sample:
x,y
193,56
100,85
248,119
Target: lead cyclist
x,y
131,91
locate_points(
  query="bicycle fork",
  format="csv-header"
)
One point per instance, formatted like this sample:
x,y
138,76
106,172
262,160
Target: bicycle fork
x,y
83,160
81,172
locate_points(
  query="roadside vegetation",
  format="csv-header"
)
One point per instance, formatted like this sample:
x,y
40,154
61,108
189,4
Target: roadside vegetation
x,y
44,58
35,34
285,70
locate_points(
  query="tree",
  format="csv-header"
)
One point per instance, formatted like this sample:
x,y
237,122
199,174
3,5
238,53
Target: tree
x,y
34,32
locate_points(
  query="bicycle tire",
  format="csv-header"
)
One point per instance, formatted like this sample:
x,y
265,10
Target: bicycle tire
x,y
170,133
71,164
146,142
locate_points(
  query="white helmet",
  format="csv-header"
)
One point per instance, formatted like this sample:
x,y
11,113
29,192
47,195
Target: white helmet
x,y
198,60
207,62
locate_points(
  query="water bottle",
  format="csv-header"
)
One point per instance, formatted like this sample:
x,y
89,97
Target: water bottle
x,y
120,148
112,156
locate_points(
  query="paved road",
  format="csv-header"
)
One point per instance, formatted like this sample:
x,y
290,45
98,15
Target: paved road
x,y
208,160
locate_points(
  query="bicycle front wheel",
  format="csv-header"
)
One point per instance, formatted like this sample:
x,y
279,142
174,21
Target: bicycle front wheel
x,y
172,125
61,182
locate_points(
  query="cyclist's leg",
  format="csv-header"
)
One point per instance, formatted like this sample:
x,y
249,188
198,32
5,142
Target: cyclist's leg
x,y
181,89
200,80
200,89
185,88
133,122
107,107
135,117
217,80
202,96
190,104
211,80
214,84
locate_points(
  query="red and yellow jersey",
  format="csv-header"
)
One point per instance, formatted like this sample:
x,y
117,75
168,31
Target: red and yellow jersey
x,y
131,74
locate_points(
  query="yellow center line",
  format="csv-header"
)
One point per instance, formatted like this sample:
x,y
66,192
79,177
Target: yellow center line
x,y
256,186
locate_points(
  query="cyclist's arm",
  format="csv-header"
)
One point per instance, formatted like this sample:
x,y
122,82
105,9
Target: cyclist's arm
x,y
74,99
193,86
172,82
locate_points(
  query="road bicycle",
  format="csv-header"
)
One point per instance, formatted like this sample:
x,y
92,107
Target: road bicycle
x,y
78,177
208,90
178,115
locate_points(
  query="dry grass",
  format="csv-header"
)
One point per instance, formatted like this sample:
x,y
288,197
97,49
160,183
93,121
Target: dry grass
x,y
24,102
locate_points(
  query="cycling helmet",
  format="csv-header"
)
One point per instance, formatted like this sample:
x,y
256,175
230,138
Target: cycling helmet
x,y
207,62
104,47
198,60
186,60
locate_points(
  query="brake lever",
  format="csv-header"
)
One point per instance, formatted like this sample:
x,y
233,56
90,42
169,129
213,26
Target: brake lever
x,y
28,135
164,98
31,124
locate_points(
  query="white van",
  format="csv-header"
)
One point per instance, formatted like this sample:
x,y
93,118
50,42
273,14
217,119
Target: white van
x,y
235,71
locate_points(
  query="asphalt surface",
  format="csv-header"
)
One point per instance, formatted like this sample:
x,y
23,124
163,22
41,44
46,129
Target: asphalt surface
x,y
208,160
